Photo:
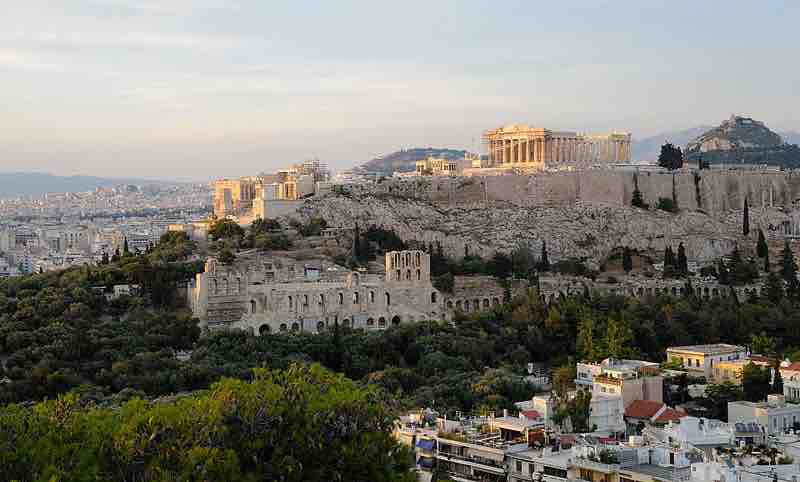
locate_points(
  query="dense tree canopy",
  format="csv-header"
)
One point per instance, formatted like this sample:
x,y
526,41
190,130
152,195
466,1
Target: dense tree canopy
x,y
298,424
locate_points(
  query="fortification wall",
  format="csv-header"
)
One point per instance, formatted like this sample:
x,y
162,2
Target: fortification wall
x,y
711,191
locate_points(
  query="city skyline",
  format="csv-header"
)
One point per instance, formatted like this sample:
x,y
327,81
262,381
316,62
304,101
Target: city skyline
x,y
178,89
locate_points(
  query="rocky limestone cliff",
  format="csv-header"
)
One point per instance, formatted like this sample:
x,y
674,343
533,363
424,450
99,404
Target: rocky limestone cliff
x,y
586,232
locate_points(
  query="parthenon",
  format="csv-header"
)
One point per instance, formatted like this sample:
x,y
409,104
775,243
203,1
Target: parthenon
x,y
522,146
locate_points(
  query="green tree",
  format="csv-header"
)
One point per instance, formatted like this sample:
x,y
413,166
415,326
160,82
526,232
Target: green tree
x,y
636,199
789,269
619,338
755,382
746,219
666,204
762,344
584,344
761,245
777,378
627,259
682,263
671,157
225,229
544,261
226,256
717,397
773,288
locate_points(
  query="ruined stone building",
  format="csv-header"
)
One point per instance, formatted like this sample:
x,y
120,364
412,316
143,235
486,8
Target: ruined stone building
x,y
270,295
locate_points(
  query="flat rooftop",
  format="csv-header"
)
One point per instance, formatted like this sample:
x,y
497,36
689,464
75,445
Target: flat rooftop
x,y
657,471
708,349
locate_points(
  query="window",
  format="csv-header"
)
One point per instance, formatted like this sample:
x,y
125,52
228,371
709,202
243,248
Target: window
x,y
355,298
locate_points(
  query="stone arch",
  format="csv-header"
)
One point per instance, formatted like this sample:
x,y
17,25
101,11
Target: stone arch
x,y
495,301
382,322
341,298
322,299
419,275
486,303
372,297
346,323
370,322
476,305
291,303
283,328
408,275
355,297
320,326
263,329
466,306
449,304
458,305
395,320
216,287
433,297
253,306
295,326
388,299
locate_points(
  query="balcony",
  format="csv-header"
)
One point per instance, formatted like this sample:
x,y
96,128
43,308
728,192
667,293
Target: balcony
x,y
474,461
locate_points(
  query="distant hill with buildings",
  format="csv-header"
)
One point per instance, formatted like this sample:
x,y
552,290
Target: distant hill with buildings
x,y
14,184
743,140
404,160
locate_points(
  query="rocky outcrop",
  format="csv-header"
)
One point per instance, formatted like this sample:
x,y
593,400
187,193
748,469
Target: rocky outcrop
x,y
743,140
586,232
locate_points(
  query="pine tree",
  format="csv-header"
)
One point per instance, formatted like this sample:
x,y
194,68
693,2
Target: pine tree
x,y
125,250
669,257
636,199
766,263
746,219
544,262
773,287
682,262
356,249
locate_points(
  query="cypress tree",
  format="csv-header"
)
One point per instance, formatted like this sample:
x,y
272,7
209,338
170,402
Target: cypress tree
x,y
682,262
627,259
789,268
746,219
761,245
544,262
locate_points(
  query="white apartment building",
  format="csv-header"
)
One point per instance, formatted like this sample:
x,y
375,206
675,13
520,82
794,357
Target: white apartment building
x,y
775,415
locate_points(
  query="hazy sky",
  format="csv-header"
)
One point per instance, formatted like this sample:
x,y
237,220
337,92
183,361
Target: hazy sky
x,y
196,89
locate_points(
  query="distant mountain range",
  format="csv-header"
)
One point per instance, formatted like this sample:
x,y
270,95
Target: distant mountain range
x,y
14,184
404,160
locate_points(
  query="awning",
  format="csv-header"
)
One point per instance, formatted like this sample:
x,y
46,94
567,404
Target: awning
x,y
425,444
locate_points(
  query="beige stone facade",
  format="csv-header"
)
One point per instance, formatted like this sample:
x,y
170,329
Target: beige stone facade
x,y
534,148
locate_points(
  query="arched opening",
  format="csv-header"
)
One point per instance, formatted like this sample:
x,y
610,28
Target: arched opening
x,y
486,302
341,299
674,291
397,275
449,305
355,298
263,330
388,299
433,297
283,328
476,305
291,303
216,287
715,292
305,300
640,291
346,323
320,326
419,275
382,322
238,285
370,322
408,275
372,297
458,305
466,306
252,306
322,299
395,320
419,260
495,301
295,326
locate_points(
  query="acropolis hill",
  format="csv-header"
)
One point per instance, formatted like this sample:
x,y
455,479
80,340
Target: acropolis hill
x,y
579,213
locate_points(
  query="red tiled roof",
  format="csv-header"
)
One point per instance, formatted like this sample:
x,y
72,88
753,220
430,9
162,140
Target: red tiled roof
x,y
643,408
531,414
670,415
794,367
